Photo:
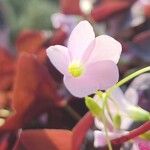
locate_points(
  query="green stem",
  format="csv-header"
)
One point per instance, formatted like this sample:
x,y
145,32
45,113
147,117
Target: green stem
x,y
104,122
72,112
109,91
107,136
126,79
108,110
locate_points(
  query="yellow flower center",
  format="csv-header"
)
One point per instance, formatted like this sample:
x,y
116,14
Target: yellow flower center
x,y
75,69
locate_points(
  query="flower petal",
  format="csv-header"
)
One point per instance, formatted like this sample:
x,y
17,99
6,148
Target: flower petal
x,y
132,96
105,73
59,57
138,86
135,146
118,96
100,138
99,75
67,22
142,144
106,48
126,122
80,39
99,125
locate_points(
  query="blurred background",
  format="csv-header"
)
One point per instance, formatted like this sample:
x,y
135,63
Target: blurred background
x,y
125,20
19,15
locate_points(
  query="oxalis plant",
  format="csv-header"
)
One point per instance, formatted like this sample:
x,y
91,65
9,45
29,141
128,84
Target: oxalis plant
x,y
89,66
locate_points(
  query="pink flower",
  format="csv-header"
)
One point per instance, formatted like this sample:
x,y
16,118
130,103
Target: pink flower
x,y
123,105
88,63
66,22
141,144
100,137
119,105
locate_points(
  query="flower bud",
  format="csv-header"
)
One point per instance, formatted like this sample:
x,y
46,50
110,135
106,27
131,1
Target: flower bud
x,y
138,114
117,121
93,107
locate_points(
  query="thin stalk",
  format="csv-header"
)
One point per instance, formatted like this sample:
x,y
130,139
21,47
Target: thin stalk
x,y
107,137
132,134
126,79
104,122
72,112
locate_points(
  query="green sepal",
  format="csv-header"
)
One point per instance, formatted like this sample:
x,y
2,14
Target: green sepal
x,y
93,107
117,121
138,114
99,94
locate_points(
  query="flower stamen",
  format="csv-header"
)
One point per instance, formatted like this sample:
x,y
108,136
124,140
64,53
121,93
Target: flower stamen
x,y
75,69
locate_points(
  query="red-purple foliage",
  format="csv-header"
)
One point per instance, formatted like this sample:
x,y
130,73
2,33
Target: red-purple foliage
x,y
7,69
34,92
80,130
48,139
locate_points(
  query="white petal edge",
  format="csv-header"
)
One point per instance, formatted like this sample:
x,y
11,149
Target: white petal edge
x,y
80,38
106,48
100,139
132,96
118,96
59,57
